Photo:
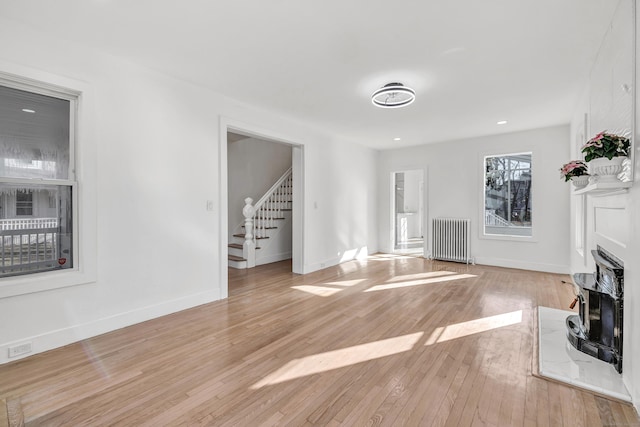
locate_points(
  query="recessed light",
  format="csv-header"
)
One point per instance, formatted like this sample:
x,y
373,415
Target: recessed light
x,y
28,110
502,122
397,139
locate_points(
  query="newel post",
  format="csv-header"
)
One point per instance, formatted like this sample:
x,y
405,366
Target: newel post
x,y
249,246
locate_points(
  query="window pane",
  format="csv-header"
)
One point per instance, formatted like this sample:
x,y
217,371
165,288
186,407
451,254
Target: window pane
x,y
24,203
42,241
507,207
34,135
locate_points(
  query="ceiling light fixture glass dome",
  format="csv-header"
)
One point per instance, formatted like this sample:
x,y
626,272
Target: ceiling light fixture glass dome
x,y
393,95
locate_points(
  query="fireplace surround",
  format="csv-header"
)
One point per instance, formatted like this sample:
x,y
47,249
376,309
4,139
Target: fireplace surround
x,y
597,329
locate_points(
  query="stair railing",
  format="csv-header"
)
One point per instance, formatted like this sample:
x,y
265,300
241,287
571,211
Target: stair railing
x,y
490,218
262,216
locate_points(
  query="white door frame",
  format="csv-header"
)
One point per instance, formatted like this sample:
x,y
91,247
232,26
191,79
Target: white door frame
x,y
297,214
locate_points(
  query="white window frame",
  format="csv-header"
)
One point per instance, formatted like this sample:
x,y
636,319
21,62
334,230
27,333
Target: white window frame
x,y
81,170
30,204
481,230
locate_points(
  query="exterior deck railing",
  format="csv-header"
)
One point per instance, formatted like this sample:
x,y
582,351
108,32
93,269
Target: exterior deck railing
x,y
28,245
27,223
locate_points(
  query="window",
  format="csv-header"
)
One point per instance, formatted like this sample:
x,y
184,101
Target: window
x,y
24,203
507,195
36,179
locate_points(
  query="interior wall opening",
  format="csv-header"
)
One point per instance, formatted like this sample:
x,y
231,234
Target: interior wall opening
x,y
408,234
227,127
259,172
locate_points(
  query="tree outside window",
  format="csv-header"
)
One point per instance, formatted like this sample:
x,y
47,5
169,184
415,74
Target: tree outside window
x,y
507,195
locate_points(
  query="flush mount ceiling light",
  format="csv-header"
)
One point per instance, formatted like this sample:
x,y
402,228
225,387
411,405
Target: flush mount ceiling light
x,y
393,95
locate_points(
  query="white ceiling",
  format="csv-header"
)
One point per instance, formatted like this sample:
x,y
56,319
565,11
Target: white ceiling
x,y
471,62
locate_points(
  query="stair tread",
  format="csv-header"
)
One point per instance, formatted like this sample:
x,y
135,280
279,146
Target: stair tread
x,y
239,246
242,236
236,258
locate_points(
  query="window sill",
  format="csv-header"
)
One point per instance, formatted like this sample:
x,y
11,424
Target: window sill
x,y
39,282
509,238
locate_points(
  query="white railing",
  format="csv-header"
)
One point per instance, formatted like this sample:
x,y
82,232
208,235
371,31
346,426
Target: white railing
x,y
490,218
264,214
27,223
28,245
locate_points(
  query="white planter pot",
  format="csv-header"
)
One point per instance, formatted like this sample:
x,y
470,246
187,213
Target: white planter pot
x,y
580,181
606,170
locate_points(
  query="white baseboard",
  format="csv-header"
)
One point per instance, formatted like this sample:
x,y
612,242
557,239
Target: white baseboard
x,y
329,262
273,258
361,252
62,337
310,268
523,265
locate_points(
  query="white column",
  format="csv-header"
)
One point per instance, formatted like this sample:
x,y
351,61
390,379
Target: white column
x,y
249,245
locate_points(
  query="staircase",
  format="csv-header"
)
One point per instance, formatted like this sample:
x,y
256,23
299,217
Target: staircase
x,y
490,218
262,222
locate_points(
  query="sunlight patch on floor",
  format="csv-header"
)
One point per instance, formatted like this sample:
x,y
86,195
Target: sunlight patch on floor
x,y
345,283
329,288
459,330
341,358
420,276
410,283
320,291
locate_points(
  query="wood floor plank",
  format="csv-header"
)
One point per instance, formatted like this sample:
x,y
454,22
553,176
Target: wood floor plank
x,y
15,414
386,341
4,415
555,404
591,416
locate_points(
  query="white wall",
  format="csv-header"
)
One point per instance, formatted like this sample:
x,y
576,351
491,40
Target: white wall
x,y
454,188
155,146
611,221
341,199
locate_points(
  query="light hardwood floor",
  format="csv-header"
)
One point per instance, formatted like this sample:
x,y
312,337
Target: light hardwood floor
x,y
388,341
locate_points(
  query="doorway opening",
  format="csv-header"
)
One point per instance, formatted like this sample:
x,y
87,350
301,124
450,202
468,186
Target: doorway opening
x,y
259,169
408,211
228,126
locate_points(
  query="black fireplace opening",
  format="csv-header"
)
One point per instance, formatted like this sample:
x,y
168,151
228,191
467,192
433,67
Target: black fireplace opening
x,y
597,328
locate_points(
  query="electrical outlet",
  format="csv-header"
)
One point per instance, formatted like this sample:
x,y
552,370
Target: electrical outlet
x,y
17,350
209,205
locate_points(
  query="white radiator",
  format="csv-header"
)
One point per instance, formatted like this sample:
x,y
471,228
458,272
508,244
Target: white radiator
x,y
450,239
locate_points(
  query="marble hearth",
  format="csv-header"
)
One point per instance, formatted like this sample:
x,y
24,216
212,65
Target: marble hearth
x,y
560,361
